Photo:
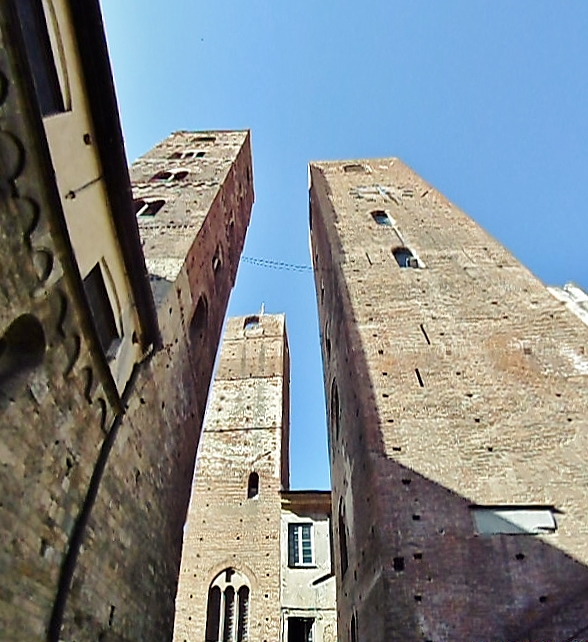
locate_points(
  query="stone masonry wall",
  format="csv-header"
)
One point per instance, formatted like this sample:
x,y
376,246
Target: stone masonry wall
x,y
457,383
58,401
226,529
125,580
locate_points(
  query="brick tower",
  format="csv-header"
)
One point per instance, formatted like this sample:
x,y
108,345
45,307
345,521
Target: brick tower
x,y
229,585
456,387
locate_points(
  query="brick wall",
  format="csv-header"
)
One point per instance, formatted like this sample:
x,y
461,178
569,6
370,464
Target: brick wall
x,y
457,383
246,423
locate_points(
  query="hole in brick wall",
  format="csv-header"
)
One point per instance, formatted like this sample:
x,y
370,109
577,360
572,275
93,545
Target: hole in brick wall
x,y
22,350
477,420
422,327
111,616
385,395
419,377
418,598
44,546
380,352
385,374
418,556
399,564
520,556
543,599
406,481
416,517
490,449
397,449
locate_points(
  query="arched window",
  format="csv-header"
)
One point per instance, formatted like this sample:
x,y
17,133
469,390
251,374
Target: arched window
x,y
243,616
217,259
335,418
199,322
253,486
22,349
213,614
405,258
342,540
227,614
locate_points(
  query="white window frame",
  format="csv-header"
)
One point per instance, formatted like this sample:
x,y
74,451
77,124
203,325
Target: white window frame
x,y
297,562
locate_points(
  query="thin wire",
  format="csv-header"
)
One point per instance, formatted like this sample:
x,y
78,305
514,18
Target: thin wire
x,y
276,265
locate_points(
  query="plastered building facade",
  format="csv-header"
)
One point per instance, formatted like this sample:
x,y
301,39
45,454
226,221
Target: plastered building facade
x,y
107,341
456,386
256,560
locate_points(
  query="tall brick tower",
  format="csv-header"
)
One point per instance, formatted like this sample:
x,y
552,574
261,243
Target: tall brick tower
x,y
457,397
229,587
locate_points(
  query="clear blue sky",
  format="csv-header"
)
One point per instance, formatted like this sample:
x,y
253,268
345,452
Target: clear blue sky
x,y
486,99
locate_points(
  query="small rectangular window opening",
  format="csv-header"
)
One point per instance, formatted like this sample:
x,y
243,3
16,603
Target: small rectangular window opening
x,y
300,629
514,520
381,218
300,545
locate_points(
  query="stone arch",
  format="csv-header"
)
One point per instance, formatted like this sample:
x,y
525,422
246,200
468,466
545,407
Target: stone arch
x,y
227,610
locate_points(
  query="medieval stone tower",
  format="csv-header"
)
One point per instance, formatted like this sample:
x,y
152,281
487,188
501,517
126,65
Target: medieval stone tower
x,y
457,396
229,586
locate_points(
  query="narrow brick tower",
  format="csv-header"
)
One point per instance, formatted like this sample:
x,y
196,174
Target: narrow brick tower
x,y
229,586
457,399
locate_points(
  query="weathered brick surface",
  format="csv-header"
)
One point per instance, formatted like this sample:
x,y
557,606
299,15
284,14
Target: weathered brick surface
x,y
247,421
62,416
135,529
500,417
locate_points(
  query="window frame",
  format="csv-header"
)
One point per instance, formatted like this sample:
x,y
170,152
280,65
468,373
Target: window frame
x,y
296,555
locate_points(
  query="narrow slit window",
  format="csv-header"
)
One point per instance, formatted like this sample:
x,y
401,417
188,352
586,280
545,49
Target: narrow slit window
x,y
253,486
419,378
342,541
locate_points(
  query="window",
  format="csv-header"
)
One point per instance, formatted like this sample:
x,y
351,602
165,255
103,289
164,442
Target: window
x,y
101,309
353,167
190,153
300,545
300,629
22,349
199,322
514,520
405,258
253,486
148,208
381,218
227,612
168,177
40,56
335,417
251,323
342,540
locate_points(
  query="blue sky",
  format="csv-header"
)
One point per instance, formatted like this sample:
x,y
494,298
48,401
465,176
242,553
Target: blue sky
x,y
486,99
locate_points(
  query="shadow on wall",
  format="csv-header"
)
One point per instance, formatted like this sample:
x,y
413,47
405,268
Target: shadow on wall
x,y
414,559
